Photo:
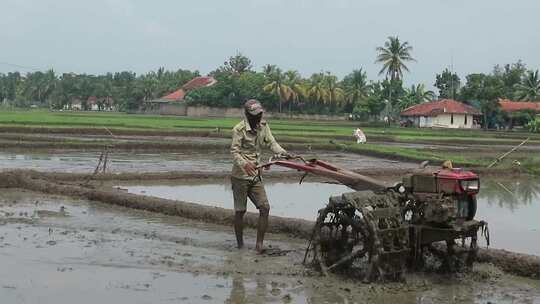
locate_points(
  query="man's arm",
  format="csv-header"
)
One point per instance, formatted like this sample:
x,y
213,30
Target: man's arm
x,y
272,144
236,146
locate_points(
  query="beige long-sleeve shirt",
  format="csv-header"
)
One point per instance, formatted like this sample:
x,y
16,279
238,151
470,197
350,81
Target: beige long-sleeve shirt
x,y
247,146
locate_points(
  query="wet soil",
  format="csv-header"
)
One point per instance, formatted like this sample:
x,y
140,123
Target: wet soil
x,y
90,252
514,263
188,160
512,217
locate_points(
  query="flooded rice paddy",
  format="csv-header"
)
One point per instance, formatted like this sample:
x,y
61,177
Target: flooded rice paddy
x,y
61,250
196,160
511,207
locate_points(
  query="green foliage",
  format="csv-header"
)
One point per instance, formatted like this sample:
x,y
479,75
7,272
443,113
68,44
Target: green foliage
x,y
528,89
237,64
448,84
484,91
415,95
373,104
356,86
534,126
510,75
393,57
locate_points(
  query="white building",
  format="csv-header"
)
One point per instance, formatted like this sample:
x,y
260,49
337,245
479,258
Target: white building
x,y
444,113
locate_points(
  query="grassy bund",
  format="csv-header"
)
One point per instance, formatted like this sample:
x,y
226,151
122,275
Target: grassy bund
x,y
475,148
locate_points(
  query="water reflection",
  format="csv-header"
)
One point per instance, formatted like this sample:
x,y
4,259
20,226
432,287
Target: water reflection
x,y
511,208
510,194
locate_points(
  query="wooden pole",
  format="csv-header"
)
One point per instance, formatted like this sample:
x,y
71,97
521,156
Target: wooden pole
x,y
496,161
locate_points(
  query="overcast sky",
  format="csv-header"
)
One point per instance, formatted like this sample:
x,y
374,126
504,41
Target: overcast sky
x,y
99,36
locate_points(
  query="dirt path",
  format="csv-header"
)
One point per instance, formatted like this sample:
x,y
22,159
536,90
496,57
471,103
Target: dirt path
x,y
90,252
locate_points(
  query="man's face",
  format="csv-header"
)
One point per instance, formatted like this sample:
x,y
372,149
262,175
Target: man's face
x,y
254,120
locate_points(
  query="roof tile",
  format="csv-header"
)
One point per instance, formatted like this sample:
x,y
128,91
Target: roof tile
x,y
434,108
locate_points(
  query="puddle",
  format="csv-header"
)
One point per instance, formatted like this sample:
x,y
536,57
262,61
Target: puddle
x,y
286,199
86,162
510,207
189,160
96,252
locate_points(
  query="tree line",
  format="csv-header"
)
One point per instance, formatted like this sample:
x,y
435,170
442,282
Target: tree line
x,y
279,90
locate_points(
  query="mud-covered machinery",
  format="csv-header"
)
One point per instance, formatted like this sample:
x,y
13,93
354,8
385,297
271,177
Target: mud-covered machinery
x,y
380,230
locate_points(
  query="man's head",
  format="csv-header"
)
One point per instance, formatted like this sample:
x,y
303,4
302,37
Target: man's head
x,y
254,112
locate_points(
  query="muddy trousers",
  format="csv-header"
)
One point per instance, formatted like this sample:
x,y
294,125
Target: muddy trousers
x,y
254,189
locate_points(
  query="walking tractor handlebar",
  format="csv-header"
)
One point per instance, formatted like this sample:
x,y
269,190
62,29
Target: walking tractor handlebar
x,y
321,168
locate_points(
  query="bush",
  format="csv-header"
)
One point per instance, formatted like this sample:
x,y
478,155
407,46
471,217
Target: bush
x,y
532,165
534,125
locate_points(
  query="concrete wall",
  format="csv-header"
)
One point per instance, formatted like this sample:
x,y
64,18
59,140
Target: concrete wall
x,y
214,112
178,109
181,109
458,121
444,121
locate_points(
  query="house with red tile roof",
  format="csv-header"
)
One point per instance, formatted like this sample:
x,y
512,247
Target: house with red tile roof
x,y
195,83
518,113
177,95
510,106
172,103
444,113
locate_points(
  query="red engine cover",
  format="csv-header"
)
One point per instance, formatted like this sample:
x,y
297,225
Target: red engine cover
x,y
449,179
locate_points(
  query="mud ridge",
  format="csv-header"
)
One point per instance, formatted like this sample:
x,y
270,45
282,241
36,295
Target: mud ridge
x,y
294,227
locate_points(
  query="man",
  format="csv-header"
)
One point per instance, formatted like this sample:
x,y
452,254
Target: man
x,y
249,137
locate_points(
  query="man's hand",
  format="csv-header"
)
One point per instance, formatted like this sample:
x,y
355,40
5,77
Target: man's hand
x,y
250,169
287,155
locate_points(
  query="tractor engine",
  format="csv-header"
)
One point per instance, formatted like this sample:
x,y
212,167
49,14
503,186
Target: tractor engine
x,y
441,196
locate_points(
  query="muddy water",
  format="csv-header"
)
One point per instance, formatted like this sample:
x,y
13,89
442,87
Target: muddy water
x,y
59,250
189,160
512,208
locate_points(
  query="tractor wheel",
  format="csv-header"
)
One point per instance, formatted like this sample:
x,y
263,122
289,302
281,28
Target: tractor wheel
x,y
361,233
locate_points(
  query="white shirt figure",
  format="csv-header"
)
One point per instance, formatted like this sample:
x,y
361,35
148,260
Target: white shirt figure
x,y
360,136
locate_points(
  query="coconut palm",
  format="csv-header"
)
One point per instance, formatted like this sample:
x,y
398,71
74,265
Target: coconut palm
x,y
278,87
294,81
317,90
356,86
415,95
421,94
529,87
393,57
335,94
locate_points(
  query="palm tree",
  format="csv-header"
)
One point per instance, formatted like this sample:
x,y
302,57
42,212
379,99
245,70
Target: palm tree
x,y
269,69
356,86
415,95
421,94
294,82
393,56
317,90
278,87
529,87
335,94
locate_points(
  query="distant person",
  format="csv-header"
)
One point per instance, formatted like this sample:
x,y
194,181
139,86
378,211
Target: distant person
x,y
447,164
360,136
249,137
